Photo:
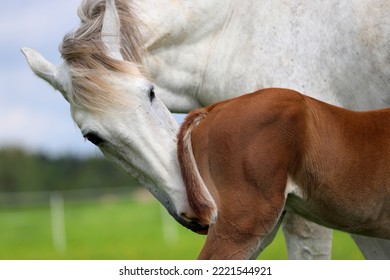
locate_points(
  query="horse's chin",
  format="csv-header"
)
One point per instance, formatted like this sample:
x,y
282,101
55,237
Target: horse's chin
x,y
198,228
193,225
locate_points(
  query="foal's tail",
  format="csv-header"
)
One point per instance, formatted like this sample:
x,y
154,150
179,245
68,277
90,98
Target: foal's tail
x,y
198,195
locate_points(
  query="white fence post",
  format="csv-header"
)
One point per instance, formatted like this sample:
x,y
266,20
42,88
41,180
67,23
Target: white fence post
x,y
169,228
58,221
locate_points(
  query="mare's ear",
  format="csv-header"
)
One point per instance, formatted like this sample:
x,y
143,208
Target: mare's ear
x,y
49,72
40,66
111,30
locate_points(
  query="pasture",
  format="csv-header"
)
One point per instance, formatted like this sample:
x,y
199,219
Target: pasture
x,y
117,228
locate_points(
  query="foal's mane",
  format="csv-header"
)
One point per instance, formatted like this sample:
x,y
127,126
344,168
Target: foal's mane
x,y
198,195
88,58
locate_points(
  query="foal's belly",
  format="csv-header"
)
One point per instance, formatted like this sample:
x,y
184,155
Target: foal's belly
x,y
299,206
378,227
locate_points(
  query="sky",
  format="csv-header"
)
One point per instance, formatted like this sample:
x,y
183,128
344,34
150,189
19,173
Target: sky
x,y
32,114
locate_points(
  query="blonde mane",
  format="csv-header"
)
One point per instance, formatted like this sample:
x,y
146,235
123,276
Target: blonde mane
x,y
88,58
199,198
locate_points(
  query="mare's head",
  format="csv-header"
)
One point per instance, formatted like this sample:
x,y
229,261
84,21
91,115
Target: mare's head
x,y
113,102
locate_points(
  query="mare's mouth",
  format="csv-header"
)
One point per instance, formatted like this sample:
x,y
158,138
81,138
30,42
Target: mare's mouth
x,y
193,226
199,228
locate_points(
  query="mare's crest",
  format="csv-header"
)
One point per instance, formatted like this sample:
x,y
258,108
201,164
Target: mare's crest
x,y
113,102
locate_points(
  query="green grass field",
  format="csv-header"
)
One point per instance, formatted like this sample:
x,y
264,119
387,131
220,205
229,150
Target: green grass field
x,y
118,229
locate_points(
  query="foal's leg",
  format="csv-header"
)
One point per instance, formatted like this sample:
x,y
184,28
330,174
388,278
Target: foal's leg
x,y
269,238
306,240
245,219
223,244
225,241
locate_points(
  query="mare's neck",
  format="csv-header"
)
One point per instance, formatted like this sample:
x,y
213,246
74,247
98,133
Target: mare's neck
x,y
201,52
178,51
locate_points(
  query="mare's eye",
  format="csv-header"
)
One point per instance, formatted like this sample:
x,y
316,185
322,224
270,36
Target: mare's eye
x,y
152,95
94,138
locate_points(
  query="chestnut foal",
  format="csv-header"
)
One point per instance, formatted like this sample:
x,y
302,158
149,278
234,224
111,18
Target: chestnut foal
x,y
248,159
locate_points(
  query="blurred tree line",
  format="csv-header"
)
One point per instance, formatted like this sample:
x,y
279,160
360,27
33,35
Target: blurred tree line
x,y
25,171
